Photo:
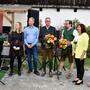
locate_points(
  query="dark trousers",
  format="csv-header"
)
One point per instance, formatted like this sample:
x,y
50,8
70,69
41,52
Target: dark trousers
x,y
1,47
32,52
80,68
0,60
12,62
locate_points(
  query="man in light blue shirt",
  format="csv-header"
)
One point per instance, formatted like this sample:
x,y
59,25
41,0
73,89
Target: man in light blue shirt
x,y
31,34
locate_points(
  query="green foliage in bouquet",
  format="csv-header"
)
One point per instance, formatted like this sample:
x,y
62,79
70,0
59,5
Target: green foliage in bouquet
x,y
50,41
2,38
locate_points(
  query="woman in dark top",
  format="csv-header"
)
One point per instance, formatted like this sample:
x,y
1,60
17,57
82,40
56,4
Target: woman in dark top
x,y
16,47
1,47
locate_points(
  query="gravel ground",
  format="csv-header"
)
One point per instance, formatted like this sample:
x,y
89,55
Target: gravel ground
x,y
33,82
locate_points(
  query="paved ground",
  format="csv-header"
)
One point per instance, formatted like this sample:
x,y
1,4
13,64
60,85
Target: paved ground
x,y
33,82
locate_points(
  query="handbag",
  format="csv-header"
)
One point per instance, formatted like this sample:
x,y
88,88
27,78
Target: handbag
x,y
5,51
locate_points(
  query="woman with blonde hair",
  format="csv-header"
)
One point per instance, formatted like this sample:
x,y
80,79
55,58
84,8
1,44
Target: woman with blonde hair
x,y
16,47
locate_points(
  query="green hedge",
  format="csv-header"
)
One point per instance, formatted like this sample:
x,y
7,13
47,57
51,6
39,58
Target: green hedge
x,y
88,31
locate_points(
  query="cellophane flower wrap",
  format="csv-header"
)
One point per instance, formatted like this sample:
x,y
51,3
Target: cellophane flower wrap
x,y
50,41
62,43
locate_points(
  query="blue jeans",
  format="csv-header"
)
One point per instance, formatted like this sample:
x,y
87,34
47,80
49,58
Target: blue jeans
x,y
32,52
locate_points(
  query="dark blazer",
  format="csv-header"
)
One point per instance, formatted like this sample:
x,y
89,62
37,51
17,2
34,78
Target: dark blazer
x,y
16,39
1,43
44,31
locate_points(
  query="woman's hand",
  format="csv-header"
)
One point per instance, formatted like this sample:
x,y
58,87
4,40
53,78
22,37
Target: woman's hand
x,y
68,43
82,55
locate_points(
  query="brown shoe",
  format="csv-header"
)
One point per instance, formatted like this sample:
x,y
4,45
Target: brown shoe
x,y
50,74
29,71
43,74
68,76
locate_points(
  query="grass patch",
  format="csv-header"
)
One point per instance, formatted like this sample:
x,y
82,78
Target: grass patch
x,y
2,73
87,62
67,65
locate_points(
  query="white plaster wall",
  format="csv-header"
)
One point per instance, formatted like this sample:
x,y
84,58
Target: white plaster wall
x,y
57,18
64,14
5,21
21,17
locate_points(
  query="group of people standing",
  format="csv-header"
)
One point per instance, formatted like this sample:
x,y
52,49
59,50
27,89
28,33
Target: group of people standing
x,y
30,37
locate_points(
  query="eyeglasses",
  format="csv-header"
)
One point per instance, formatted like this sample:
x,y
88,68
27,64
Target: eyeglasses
x,y
66,23
47,21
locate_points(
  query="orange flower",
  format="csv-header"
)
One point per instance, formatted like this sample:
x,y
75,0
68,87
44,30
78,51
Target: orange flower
x,y
62,43
50,40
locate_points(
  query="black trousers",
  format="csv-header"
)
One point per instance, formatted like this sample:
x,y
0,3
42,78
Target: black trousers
x,y
80,68
1,47
0,60
12,62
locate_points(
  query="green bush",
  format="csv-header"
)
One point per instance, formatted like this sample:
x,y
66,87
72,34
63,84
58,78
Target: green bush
x,y
88,31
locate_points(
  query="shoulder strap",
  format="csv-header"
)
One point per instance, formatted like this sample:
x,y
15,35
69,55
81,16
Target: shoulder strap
x,y
62,32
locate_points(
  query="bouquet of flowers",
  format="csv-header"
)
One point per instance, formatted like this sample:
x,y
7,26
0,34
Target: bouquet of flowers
x,y
63,43
50,40
2,38
6,43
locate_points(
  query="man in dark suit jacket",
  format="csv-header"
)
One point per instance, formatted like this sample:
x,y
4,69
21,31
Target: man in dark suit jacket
x,y
46,53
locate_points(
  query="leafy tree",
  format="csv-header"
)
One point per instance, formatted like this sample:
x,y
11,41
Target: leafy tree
x,y
75,22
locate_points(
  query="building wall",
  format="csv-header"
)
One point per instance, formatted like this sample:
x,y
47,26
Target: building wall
x,y
19,17
56,17
64,14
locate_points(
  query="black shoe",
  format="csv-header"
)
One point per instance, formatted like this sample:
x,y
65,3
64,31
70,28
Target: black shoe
x,y
59,73
74,81
43,74
0,69
37,73
50,74
19,73
10,74
79,83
